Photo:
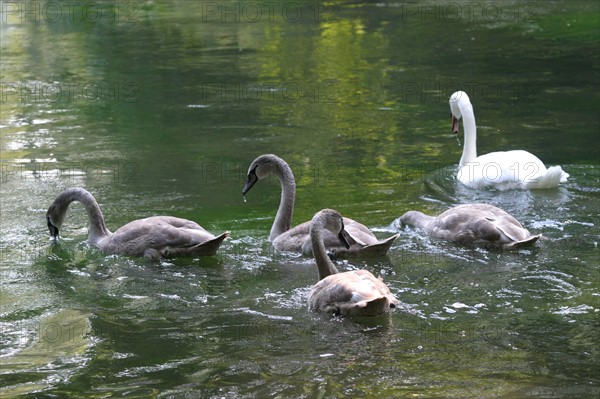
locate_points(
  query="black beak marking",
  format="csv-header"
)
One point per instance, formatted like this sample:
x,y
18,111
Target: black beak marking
x,y
53,229
342,237
252,179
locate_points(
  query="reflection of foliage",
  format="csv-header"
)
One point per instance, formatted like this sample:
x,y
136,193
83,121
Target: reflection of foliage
x,y
55,341
363,122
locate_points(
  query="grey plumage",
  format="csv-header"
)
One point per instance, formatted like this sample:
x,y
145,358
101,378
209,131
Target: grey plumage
x,y
479,224
353,293
285,238
153,237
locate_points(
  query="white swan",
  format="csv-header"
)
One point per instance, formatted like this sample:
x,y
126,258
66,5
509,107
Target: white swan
x,y
152,237
478,224
503,170
362,241
353,293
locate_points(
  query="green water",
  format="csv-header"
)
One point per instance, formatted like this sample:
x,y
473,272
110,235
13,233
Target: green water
x,y
159,107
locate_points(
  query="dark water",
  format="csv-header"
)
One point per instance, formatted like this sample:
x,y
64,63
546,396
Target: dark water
x,y
159,107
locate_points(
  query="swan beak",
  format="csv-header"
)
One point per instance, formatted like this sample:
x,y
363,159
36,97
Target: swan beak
x,y
252,179
53,229
455,124
342,237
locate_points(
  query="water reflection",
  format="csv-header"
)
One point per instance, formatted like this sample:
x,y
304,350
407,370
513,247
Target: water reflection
x,y
163,113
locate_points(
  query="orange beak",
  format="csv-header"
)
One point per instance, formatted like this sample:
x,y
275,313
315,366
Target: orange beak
x,y
455,125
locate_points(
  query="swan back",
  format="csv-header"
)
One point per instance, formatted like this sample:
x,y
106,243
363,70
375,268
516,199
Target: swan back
x,y
353,293
480,224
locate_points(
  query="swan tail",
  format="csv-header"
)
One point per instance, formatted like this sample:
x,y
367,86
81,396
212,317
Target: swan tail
x,y
210,247
524,243
553,176
369,251
206,248
373,307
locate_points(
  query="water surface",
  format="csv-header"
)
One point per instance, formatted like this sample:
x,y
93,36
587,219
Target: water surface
x,y
159,108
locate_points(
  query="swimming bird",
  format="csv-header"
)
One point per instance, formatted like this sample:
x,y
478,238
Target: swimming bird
x,y
353,293
478,224
153,237
362,241
504,170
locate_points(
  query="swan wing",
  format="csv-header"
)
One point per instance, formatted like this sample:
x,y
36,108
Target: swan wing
x,y
297,239
478,223
157,232
502,170
359,232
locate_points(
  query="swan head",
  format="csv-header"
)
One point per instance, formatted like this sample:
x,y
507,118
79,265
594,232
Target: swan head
x,y
263,166
53,229
54,219
333,221
458,100
58,210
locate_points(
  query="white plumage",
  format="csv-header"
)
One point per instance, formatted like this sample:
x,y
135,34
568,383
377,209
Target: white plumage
x,y
504,170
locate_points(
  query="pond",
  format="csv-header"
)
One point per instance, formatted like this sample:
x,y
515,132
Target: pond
x,y
159,107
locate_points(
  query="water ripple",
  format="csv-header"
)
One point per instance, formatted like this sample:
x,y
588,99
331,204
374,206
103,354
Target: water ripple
x,y
581,309
268,316
554,280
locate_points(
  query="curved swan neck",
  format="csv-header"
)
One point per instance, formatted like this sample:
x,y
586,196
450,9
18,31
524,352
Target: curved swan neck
x,y
283,219
97,227
470,133
324,264
416,219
